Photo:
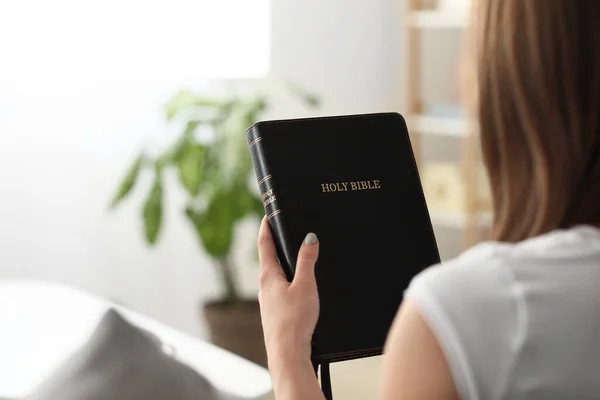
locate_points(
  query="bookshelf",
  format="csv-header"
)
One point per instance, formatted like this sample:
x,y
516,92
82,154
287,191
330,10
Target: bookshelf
x,y
459,220
470,218
444,126
437,20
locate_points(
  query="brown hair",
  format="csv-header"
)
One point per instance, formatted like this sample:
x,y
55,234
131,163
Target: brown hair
x,y
538,106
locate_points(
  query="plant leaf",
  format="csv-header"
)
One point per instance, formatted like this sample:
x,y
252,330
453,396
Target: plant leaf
x,y
191,168
257,207
173,154
311,100
152,211
308,98
190,128
225,110
128,181
186,99
215,226
244,202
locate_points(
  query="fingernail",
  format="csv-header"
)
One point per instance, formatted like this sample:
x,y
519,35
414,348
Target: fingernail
x,y
311,238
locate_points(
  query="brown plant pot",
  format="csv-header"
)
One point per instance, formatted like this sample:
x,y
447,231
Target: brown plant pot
x,y
237,328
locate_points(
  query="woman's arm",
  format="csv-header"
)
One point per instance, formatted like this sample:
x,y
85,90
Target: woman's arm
x,y
289,313
414,365
295,380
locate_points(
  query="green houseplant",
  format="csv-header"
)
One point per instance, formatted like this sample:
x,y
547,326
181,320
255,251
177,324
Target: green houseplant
x,y
213,164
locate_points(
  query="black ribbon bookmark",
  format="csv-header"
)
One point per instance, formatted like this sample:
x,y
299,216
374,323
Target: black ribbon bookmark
x,y
325,379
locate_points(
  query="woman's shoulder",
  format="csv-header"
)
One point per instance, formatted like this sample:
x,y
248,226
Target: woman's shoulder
x,y
484,264
503,264
472,287
480,304
473,306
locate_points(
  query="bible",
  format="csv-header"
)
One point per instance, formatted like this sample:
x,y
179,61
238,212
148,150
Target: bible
x,y
353,181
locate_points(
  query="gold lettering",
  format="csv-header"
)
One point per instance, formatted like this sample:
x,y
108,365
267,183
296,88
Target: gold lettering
x,y
269,200
267,193
350,185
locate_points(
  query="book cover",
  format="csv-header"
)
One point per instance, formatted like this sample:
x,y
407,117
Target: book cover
x,y
353,181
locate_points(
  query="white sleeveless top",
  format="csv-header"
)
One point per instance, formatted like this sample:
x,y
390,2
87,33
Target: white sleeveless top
x,y
519,321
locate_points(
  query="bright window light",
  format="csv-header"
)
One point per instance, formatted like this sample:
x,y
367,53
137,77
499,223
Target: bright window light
x,y
97,40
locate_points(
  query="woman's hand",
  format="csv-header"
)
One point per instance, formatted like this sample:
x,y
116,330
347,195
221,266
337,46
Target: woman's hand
x,y
289,311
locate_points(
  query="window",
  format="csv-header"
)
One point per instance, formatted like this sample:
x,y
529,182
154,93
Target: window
x,y
173,40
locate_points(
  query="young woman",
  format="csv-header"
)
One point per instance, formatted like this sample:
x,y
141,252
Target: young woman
x,y
517,317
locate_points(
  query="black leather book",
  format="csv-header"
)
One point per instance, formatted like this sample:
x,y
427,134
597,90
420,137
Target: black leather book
x,y
353,181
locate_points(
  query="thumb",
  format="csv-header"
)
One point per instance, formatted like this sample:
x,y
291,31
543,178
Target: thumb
x,y
307,258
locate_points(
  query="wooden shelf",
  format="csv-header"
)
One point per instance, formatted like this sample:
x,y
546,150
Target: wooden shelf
x,y
440,120
445,126
439,20
459,220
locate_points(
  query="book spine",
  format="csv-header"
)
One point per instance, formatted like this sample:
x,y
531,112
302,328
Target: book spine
x,y
273,211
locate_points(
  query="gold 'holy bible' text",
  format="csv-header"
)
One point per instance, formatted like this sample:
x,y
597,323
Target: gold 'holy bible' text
x,y
350,186
268,197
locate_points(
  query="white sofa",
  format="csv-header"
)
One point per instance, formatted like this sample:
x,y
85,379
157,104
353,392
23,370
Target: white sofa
x,y
42,323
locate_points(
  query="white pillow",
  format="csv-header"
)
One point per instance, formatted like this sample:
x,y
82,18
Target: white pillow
x,y
123,362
